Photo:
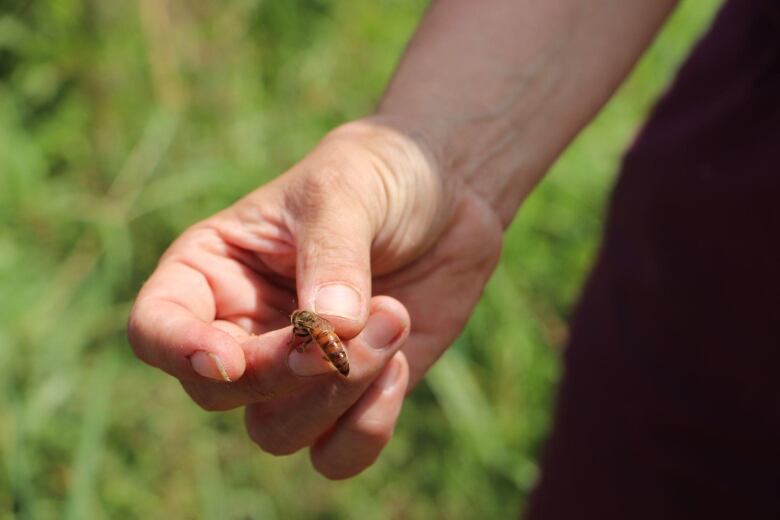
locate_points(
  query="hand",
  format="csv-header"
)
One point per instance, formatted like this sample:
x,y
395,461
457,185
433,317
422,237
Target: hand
x,y
369,205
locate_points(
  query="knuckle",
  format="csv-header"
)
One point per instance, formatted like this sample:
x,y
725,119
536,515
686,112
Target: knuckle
x,y
315,191
320,185
329,190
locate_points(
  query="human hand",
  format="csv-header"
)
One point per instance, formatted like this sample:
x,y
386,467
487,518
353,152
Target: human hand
x,y
369,206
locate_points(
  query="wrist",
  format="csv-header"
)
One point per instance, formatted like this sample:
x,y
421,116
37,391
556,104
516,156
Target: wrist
x,y
487,153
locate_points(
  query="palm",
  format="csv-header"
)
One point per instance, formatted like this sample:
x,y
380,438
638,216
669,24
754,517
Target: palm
x,y
441,288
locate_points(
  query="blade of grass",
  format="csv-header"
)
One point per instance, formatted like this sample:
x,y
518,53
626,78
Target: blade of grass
x,y
211,492
471,416
16,461
82,492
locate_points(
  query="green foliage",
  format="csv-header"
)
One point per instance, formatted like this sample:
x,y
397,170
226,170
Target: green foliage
x,y
121,124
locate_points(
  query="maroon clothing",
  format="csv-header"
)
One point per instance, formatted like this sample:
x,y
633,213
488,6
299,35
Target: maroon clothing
x,y
670,402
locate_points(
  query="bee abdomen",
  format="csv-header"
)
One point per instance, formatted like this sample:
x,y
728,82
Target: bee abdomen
x,y
332,346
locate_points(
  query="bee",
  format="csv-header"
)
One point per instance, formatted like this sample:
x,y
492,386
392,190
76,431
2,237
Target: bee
x,y
309,325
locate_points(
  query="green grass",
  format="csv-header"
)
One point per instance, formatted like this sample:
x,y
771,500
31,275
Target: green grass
x,y
122,123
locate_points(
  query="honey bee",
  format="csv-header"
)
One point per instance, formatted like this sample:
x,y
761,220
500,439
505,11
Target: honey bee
x,y
309,325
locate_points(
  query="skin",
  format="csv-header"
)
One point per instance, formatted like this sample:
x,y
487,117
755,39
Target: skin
x,y
408,205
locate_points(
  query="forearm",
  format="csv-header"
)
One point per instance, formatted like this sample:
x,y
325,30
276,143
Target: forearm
x,y
498,88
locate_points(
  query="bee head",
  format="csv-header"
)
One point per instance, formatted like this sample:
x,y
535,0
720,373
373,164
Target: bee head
x,y
302,318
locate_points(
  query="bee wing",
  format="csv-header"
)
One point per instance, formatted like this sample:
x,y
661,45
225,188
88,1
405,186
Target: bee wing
x,y
325,325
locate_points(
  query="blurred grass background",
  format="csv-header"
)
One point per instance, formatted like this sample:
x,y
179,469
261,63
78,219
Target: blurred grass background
x,y
121,123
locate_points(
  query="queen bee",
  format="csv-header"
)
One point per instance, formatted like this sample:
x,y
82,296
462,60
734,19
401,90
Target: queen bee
x,y
312,327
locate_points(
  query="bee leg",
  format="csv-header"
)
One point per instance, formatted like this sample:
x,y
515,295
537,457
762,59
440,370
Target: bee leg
x,y
302,346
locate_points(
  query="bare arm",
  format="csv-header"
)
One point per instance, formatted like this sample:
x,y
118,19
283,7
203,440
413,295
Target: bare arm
x,y
498,88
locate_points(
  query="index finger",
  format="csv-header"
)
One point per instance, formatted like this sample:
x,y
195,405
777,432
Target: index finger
x,y
267,375
276,373
170,327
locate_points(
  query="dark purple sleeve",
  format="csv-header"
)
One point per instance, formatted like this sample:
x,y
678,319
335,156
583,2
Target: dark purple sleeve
x,y
670,401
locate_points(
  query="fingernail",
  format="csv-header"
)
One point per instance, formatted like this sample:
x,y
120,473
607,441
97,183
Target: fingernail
x,y
382,328
209,365
389,377
338,300
308,363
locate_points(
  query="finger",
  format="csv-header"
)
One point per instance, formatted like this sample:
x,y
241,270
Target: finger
x,y
267,375
359,436
287,425
333,252
169,327
239,293
168,336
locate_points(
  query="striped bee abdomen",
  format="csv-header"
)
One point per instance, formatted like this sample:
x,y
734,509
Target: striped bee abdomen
x,y
334,349
307,323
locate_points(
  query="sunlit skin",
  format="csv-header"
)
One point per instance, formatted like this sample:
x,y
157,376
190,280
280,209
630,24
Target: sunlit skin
x,y
227,285
404,210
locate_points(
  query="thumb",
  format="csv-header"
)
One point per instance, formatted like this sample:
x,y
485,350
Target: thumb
x,y
333,265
